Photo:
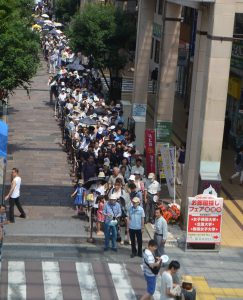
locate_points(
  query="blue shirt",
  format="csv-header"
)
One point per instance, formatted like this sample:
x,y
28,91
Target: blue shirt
x,y
135,217
113,209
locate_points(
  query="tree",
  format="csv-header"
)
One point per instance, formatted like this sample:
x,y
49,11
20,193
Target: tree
x,y
19,46
66,9
105,32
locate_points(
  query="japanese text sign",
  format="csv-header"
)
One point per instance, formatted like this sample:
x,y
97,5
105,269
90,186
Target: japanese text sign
x,y
150,150
204,219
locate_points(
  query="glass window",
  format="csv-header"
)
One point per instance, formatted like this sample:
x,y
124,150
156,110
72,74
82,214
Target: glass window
x,y
160,7
156,51
152,49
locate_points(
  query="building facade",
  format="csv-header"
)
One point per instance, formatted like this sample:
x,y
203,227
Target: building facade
x,y
209,36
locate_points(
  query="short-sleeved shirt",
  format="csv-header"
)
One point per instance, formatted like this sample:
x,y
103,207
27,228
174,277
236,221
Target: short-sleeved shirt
x,y
16,191
161,227
149,258
135,217
152,187
166,283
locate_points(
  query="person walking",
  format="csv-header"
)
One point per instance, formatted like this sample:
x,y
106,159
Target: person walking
x,y
112,211
238,167
160,232
181,154
168,289
136,226
14,195
151,266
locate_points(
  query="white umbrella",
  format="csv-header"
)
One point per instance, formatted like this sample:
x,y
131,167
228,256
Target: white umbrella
x,y
45,16
58,24
48,22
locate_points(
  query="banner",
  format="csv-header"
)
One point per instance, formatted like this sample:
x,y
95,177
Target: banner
x,y
3,139
168,161
150,150
204,219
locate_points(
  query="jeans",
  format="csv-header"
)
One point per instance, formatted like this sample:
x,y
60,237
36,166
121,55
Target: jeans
x,y
136,233
110,233
13,201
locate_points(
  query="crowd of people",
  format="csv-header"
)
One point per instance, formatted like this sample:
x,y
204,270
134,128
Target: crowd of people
x,y
109,175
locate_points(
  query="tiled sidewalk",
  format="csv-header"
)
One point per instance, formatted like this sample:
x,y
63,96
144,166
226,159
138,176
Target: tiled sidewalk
x,y
35,146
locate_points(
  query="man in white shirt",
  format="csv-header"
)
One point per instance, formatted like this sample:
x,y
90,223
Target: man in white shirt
x,y
14,194
160,232
167,281
138,167
151,195
150,263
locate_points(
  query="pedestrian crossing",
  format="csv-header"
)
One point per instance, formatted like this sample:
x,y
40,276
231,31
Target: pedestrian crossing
x,y
127,84
69,280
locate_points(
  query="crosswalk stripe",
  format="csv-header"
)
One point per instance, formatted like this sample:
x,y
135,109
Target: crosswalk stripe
x,y
121,282
16,280
87,281
52,280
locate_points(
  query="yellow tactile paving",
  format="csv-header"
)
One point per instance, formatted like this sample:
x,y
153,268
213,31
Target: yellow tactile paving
x,y
204,292
232,234
240,203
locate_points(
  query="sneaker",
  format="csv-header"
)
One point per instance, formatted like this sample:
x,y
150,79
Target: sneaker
x,y
132,255
22,216
122,242
114,249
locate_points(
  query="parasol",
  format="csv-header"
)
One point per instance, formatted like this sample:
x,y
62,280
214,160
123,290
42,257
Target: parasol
x,y
93,180
45,16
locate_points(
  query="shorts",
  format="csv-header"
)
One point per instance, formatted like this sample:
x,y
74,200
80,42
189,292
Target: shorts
x,y
151,284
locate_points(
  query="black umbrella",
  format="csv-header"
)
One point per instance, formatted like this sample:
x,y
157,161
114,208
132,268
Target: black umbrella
x,y
100,111
88,121
54,32
76,67
94,180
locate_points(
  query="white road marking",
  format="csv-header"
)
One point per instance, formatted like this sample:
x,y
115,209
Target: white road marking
x,y
121,282
16,280
87,283
52,280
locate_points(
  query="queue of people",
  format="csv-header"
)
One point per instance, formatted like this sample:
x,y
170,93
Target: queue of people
x,y
108,170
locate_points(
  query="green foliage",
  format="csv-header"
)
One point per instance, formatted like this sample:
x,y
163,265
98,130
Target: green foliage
x,y
18,47
105,32
65,9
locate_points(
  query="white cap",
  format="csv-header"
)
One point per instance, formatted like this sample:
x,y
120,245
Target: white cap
x,y
151,175
132,177
113,197
101,175
136,200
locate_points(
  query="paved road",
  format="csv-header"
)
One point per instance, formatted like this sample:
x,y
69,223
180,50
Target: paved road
x,y
71,273
34,146
75,270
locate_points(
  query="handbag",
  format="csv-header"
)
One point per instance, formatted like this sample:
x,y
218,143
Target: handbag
x,y
154,270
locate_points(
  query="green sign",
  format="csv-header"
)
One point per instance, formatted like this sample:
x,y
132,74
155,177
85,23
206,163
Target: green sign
x,y
163,132
157,30
237,55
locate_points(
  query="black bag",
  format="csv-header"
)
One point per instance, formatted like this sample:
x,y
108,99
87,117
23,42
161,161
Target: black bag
x,y
154,270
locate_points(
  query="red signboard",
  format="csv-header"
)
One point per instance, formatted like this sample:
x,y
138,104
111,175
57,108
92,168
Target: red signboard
x,y
150,150
204,219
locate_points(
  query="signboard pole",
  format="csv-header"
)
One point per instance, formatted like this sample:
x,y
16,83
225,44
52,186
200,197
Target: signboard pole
x,y
174,175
